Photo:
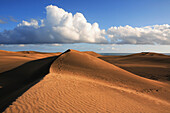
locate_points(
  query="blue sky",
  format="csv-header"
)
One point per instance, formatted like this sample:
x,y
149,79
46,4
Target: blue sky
x,y
107,13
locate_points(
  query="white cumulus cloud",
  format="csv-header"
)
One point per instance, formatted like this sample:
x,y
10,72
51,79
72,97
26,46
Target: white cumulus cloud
x,y
33,23
156,34
59,26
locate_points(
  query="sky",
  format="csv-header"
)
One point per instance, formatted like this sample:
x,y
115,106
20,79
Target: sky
x,y
95,25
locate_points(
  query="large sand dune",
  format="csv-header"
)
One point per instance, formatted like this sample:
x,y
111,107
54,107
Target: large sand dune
x,y
80,82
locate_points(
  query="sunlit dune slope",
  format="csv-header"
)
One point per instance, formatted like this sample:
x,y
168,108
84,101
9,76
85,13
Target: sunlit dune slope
x,y
79,82
73,62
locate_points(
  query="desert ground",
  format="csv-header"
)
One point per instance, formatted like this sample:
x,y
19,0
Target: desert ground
x,y
74,81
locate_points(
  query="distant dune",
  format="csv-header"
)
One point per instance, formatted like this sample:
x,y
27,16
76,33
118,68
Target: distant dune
x,y
92,53
77,81
147,54
35,52
150,65
10,60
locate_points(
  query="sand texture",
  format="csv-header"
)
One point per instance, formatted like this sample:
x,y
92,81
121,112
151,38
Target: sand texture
x,y
77,81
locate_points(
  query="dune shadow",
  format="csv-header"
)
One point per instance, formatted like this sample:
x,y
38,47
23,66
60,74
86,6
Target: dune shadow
x,y
15,82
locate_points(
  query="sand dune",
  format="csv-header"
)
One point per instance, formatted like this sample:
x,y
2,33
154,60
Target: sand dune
x,y
79,82
147,54
10,60
35,52
149,65
92,53
16,81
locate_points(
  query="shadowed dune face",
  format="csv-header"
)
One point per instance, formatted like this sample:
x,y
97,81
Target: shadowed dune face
x,y
10,60
79,82
16,81
154,66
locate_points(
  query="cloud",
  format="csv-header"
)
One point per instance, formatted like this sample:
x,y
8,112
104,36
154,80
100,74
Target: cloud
x,y
5,20
113,48
59,26
101,49
32,23
2,21
156,34
11,18
21,45
56,44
